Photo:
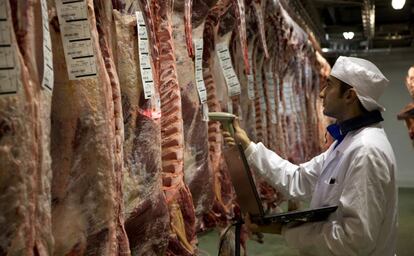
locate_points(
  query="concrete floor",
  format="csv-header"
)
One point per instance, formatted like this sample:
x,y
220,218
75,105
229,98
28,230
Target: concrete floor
x,y
274,244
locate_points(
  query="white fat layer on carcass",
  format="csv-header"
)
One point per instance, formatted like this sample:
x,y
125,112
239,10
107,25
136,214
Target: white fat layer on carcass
x,y
9,67
144,57
76,38
47,81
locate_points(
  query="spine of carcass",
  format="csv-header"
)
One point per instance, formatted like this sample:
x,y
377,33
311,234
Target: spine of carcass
x,y
183,238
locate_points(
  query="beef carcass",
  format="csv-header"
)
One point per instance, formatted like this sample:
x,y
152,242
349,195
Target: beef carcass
x,y
182,216
222,209
25,221
86,145
146,212
197,168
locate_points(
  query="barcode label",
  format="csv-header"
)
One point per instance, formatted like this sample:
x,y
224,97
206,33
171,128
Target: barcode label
x,y
287,95
250,78
198,64
253,110
259,84
250,87
9,64
230,106
204,109
271,93
155,106
144,57
76,37
230,76
47,81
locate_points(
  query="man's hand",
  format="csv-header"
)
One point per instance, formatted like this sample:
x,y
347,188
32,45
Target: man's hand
x,y
273,228
240,136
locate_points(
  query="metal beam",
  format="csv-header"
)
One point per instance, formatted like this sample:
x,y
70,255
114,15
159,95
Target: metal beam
x,y
335,2
331,53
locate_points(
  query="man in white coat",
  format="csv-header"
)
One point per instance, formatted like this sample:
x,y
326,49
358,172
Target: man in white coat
x,y
357,172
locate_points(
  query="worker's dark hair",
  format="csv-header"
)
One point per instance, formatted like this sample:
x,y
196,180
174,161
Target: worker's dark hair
x,y
343,88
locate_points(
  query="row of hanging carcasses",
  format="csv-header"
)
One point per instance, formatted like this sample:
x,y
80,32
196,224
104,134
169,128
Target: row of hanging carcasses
x,y
92,165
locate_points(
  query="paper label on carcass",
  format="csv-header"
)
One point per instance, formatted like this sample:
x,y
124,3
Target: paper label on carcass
x,y
253,108
9,64
271,93
287,96
76,37
230,106
250,77
230,76
250,87
204,109
144,56
198,64
264,121
155,106
47,81
262,99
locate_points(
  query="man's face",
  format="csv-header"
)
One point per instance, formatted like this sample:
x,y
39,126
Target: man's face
x,y
410,126
332,98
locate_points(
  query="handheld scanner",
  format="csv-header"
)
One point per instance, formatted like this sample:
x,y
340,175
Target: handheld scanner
x,y
226,119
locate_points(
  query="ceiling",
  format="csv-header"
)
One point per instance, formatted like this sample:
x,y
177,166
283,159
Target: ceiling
x,y
376,25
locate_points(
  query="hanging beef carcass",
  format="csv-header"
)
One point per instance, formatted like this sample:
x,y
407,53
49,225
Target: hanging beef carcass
x,y
87,147
197,168
25,177
222,208
147,221
182,215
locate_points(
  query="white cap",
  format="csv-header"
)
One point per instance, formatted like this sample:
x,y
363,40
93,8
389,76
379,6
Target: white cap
x,y
367,80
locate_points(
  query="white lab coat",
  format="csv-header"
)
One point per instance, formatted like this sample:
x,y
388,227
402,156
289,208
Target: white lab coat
x,y
362,171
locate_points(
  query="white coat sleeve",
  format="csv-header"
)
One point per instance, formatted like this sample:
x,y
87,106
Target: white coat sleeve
x,y
363,207
293,181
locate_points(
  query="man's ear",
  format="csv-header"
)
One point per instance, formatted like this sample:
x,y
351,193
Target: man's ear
x,y
351,95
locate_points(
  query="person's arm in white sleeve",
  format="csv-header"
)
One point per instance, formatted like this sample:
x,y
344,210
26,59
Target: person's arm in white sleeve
x,y
293,181
362,203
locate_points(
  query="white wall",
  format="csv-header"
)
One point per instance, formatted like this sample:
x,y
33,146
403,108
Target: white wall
x,y
395,66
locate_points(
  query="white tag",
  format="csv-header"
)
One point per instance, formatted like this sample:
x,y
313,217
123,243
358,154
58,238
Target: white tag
x,y
254,111
287,95
9,64
144,57
261,95
47,81
230,76
155,106
76,37
250,77
204,109
271,94
250,87
230,106
201,88
264,122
